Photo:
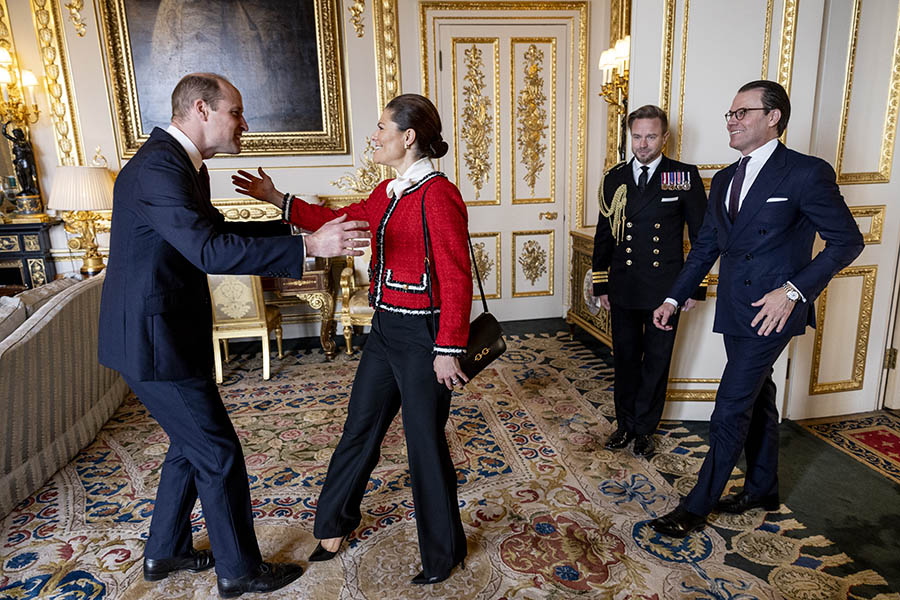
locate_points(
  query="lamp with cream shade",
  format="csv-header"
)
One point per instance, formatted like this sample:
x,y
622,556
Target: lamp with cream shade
x,y
78,192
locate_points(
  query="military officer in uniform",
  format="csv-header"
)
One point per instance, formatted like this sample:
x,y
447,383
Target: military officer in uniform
x,y
638,252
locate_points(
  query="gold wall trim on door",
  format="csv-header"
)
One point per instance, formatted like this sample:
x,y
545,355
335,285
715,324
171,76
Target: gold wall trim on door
x,y
534,260
497,264
864,320
876,213
691,395
529,118
788,37
481,118
883,174
60,93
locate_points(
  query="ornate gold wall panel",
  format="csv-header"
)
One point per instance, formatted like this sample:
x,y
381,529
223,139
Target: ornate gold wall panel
x,y
883,174
530,132
479,124
788,39
864,320
876,213
619,27
491,260
60,92
536,261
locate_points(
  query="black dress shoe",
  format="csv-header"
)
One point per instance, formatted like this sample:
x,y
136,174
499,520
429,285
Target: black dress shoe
x,y
421,579
678,523
267,577
644,444
320,554
742,502
156,569
618,440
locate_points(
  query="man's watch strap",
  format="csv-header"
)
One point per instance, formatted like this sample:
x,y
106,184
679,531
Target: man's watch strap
x,y
791,292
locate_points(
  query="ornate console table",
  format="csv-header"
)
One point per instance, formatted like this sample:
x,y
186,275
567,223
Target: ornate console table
x,y
25,254
584,313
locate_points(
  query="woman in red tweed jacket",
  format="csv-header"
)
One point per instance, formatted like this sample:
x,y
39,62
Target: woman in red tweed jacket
x,y
405,365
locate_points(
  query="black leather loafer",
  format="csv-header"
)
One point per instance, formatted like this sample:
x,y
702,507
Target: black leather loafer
x,y
421,579
742,502
267,577
618,440
678,523
644,444
156,569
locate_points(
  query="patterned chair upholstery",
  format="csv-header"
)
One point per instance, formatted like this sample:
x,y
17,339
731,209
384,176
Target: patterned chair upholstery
x,y
355,309
239,312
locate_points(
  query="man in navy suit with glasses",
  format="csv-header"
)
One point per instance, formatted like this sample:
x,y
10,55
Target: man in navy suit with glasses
x,y
763,216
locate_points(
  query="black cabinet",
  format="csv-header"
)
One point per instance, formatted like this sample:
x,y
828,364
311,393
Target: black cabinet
x,y
25,254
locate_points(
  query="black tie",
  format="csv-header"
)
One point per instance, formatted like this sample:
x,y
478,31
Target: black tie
x,y
734,198
642,178
204,181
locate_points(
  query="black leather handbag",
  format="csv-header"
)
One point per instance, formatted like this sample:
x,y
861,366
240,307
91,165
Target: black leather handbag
x,y
486,341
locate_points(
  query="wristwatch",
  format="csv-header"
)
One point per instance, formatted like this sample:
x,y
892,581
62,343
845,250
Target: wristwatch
x,y
792,294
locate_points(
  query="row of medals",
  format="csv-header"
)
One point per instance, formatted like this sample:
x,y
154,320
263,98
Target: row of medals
x,y
675,180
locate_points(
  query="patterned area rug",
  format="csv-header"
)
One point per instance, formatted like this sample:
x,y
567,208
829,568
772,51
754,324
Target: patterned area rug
x,y
871,438
548,512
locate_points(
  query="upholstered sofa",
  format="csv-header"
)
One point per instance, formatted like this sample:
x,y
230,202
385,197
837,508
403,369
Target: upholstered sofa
x,y
54,395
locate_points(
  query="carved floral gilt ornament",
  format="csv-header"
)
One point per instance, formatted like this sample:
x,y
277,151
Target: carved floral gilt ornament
x,y
533,260
482,261
75,7
532,117
477,122
356,10
366,177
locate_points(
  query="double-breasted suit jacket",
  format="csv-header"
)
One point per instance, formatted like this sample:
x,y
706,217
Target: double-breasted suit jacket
x,y
638,271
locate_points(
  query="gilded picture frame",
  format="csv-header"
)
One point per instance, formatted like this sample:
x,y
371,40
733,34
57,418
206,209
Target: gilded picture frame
x,y
283,55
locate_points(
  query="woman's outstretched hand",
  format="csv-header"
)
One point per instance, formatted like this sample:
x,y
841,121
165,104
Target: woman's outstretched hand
x,y
260,187
447,370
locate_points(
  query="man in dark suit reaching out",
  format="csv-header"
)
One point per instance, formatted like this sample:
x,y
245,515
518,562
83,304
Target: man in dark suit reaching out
x,y
763,215
156,327
638,252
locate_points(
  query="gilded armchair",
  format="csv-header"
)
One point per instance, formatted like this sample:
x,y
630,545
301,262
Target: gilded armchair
x,y
239,312
355,309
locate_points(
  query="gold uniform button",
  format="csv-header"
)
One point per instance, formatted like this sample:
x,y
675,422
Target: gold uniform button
x,y
656,251
656,226
628,225
655,263
628,262
628,238
627,250
655,238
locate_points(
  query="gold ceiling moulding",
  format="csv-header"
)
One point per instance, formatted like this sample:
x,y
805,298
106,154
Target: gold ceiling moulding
x,y
883,174
60,92
863,324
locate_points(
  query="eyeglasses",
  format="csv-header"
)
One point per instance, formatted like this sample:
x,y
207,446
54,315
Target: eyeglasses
x,y
739,113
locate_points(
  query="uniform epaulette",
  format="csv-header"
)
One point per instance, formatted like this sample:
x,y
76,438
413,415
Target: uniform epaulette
x,y
615,167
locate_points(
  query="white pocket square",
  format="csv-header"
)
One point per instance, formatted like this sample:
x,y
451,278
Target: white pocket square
x,y
777,200
674,199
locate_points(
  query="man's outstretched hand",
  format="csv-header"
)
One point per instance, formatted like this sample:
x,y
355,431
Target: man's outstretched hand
x,y
662,315
338,237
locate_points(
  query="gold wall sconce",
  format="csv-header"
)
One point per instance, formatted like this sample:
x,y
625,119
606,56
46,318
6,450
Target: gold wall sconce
x,y
18,104
79,192
614,63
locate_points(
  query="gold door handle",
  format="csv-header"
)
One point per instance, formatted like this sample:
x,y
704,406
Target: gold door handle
x,y
550,216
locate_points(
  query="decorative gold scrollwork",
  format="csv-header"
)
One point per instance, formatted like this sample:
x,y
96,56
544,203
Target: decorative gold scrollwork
x,y
477,122
75,7
366,177
532,117
533,260
9,243
482,261
37,271
356,10
32,243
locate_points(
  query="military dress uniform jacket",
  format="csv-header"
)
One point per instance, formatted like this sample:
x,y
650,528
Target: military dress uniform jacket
x,y
398,279
638,271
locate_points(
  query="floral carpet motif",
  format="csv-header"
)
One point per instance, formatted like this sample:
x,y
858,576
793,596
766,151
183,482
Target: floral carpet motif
x,y
548,512
871,438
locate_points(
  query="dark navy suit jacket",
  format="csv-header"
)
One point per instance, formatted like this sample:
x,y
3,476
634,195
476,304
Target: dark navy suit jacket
x,y
793,197
165,236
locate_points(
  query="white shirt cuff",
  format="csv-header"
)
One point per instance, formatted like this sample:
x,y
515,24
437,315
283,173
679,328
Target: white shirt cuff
x,y
672,301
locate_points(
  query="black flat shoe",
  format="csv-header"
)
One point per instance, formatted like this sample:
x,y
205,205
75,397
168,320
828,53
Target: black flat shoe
x,y
740,503
618,440
320,554
421,579
156,569
678,523
644,445
267,577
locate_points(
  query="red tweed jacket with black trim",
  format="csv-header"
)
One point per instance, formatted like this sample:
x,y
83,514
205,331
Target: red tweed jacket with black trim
x,y
398,281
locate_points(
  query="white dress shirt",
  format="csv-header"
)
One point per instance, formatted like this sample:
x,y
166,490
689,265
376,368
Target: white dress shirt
x,y
413,175
187,144
651,168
